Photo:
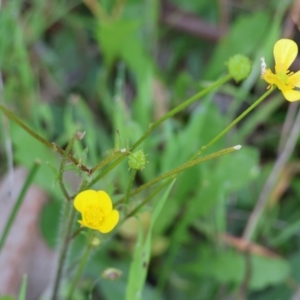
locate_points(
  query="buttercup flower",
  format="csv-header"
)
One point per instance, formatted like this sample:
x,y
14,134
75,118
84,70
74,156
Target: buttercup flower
x,y
285,52
96,210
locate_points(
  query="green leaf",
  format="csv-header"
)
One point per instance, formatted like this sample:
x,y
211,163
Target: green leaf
x,y
258,116
229,267
27,150
49,222
53,168
268,271
237,169
139,265
114,36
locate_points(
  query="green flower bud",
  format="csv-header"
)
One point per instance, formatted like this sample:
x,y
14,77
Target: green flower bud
x,y
137,160
239,67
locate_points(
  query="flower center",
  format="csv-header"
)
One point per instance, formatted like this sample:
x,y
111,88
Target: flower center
x,y
93,215
282,77
284,81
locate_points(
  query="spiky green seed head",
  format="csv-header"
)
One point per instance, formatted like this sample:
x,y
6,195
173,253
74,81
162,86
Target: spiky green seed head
x,y
239,67
137,160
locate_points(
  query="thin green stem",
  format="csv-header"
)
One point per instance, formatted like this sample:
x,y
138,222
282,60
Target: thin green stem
x,y
75,233
179,169
17,205
81,266
72,236
147,199
107,160
129,187
106,170
68,220
52,146
171,113
69,216
180,107
233,123
83,185
62,167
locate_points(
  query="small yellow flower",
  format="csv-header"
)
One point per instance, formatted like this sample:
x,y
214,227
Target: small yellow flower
x,y
285,52
96,210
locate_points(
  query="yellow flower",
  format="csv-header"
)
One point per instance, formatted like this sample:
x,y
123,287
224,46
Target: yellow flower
x,y
285,52
96,210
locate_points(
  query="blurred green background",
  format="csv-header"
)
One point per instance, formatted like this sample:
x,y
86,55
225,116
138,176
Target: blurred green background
x,y
116,66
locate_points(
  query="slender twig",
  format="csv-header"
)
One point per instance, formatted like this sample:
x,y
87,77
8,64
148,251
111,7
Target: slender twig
x,y
107,169
181,107
116,154
147,199
258,210
75,233
233,123
82,264
179,169
67,224
52,146
170,114
69,216
63,163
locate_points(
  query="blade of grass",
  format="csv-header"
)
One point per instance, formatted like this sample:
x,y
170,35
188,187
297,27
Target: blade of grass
x,y
139,265
17,206
22,295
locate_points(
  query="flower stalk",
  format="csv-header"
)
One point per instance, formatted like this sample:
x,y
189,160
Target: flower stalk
x,y
170,114
82,264
49,145
179,169
68,217
180,107
128,190
62,166
232,124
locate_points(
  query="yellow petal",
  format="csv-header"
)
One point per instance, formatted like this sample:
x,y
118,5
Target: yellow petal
x,y
270,77
85,198
291,95
285,52
105,202
109,222
82,223
294,79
